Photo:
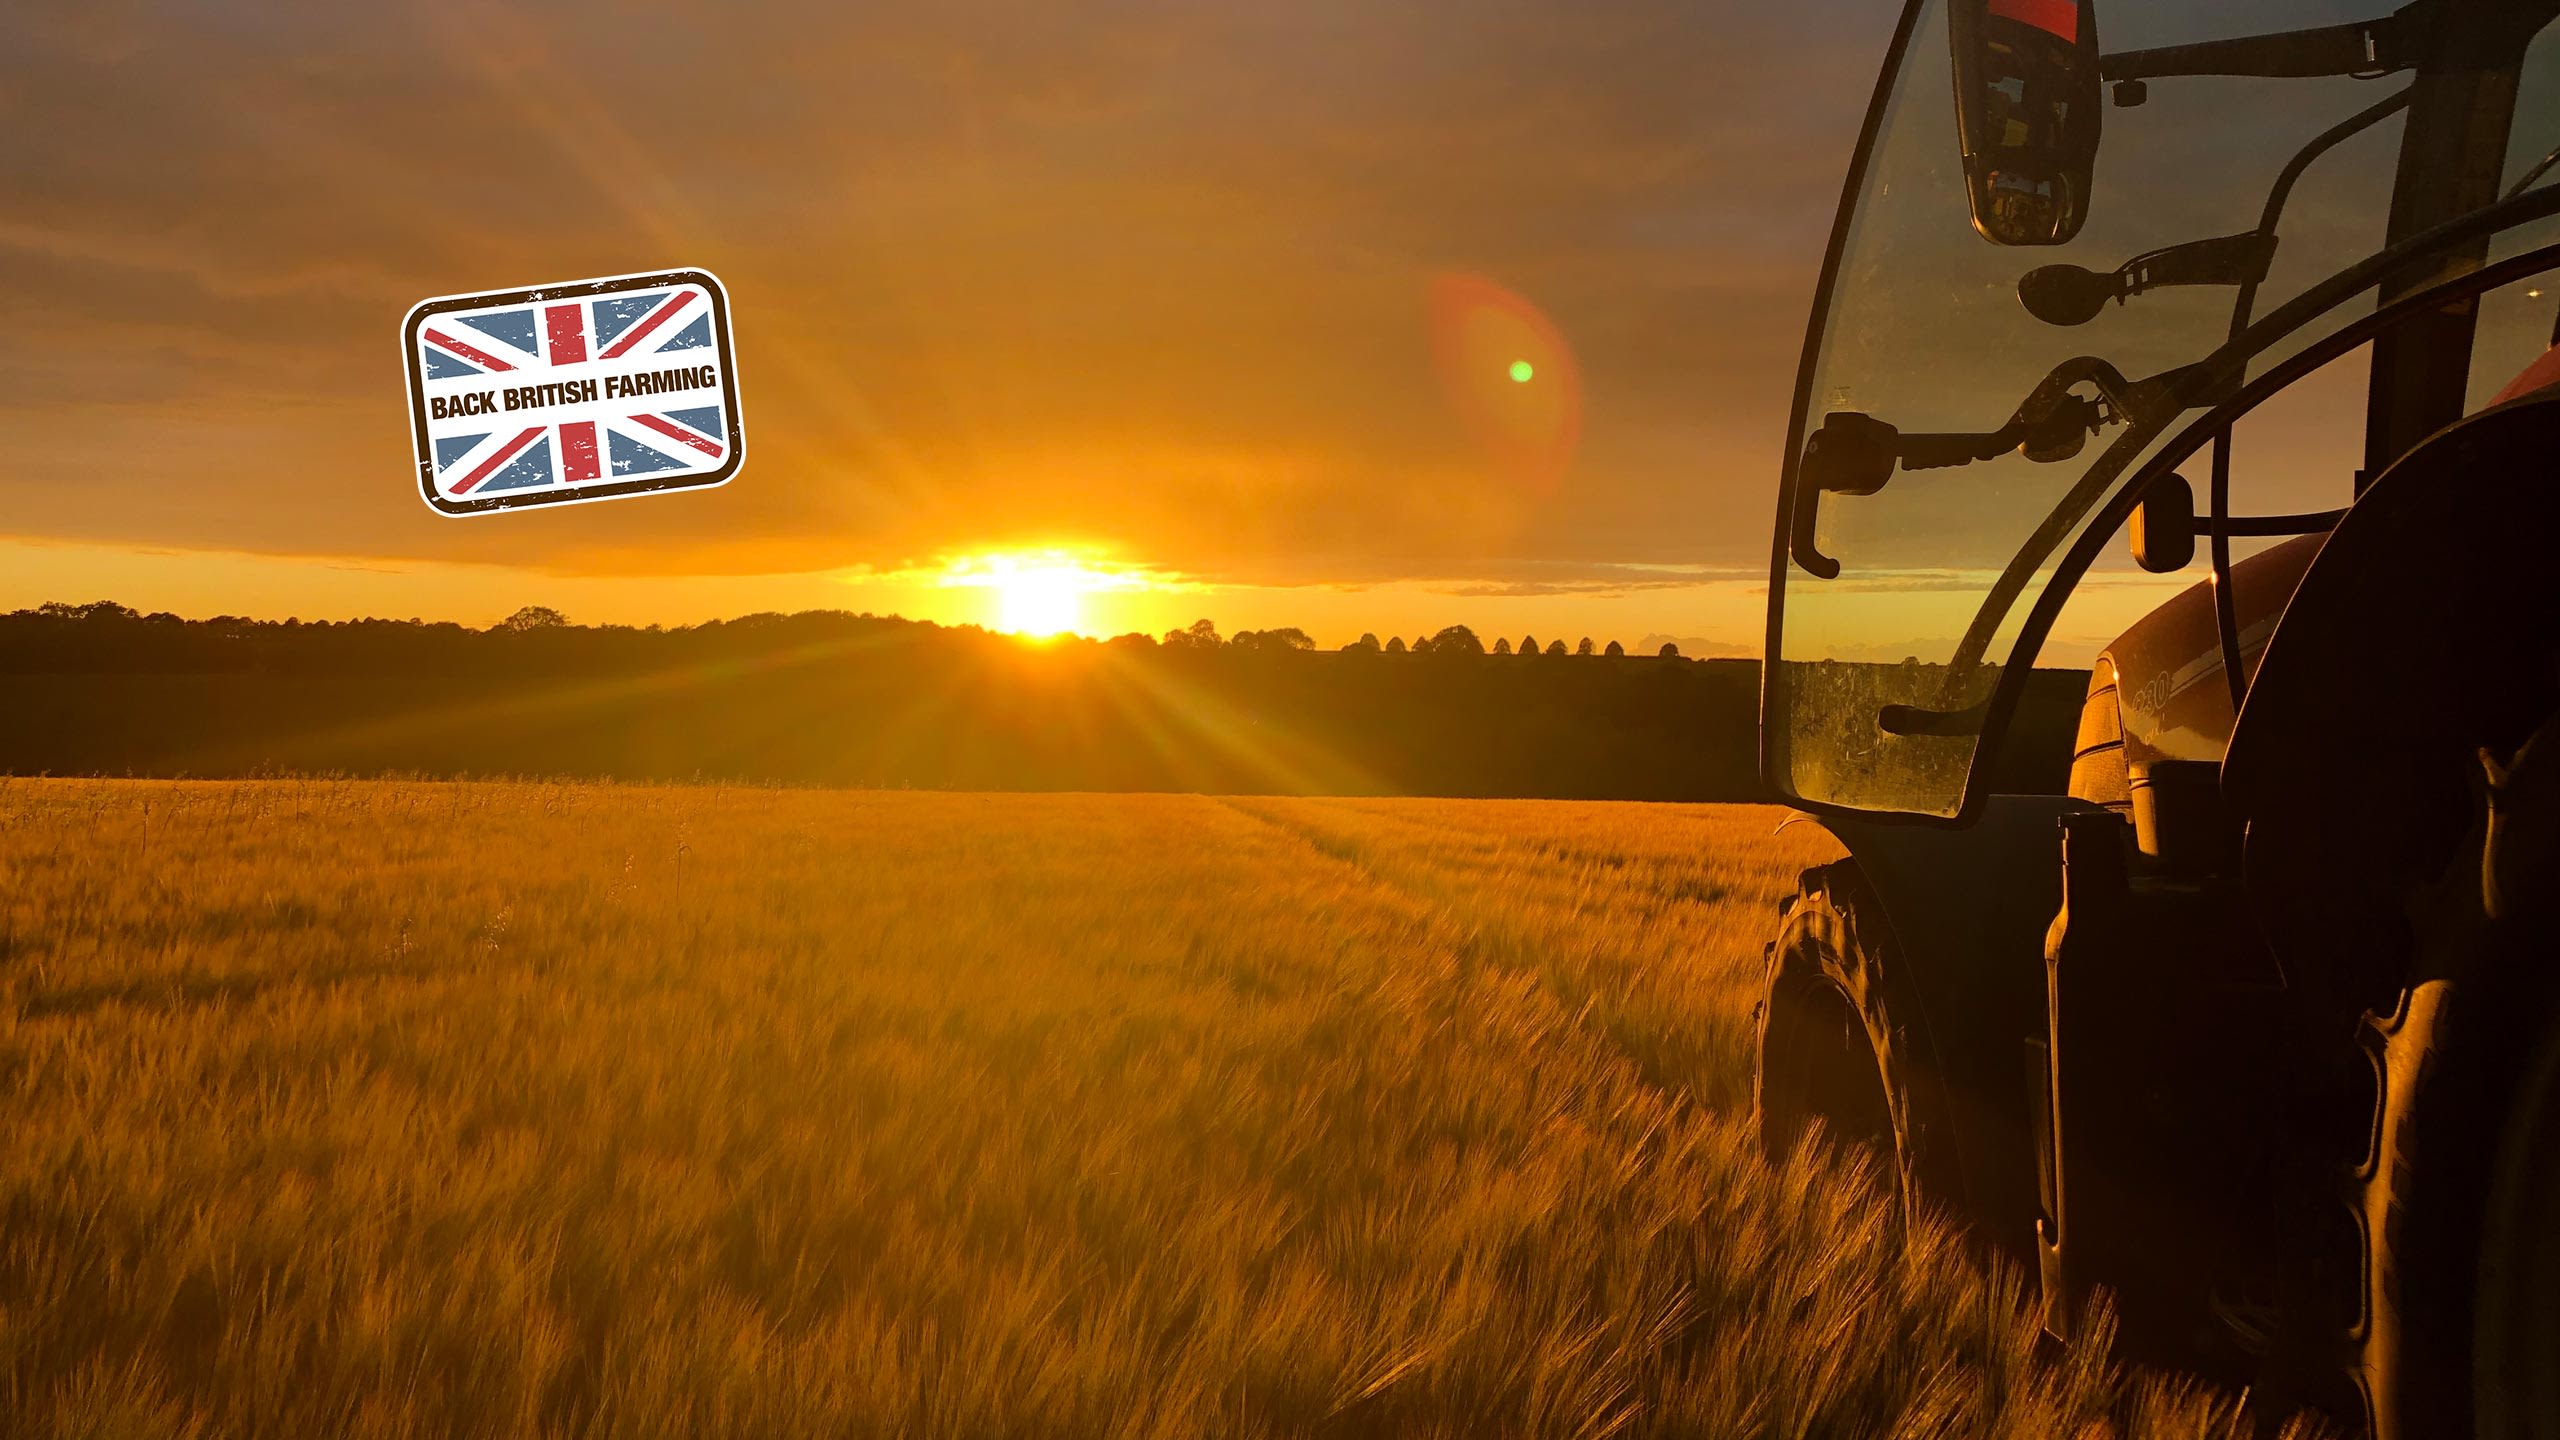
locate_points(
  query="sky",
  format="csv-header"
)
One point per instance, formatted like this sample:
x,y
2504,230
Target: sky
x,y
1203,308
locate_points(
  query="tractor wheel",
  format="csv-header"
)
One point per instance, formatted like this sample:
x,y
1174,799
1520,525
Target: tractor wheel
x,y
2458,1200
1840,1043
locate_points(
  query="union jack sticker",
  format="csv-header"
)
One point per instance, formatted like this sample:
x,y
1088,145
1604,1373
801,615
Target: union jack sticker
x,y
585,390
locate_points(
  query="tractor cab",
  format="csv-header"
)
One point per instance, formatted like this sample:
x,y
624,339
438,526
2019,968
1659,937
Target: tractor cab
x,y
2207,346
2051,314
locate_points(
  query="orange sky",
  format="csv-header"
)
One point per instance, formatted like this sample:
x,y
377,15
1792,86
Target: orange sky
x,y
1220,299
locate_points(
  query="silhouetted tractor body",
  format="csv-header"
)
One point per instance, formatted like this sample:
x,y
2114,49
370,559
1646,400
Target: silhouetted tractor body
x,y
2258,1028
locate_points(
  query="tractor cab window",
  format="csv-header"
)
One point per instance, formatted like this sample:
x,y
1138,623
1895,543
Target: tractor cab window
x,y
2520,321
1961,394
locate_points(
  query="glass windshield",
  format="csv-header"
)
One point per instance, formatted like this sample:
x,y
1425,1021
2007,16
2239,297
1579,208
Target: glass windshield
x,y
1875,682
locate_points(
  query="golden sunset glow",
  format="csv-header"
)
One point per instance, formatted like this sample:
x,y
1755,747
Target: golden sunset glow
x,y
1039,593
1380,348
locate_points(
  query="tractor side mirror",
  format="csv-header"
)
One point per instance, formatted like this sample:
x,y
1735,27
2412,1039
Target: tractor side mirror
x,y
2164,526
2027,114
1852,454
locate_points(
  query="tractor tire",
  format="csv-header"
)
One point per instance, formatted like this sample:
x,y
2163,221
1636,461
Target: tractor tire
x,y
2457,1202
1841,1045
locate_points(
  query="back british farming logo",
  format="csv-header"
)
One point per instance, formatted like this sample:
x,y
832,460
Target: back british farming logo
x,y
587,390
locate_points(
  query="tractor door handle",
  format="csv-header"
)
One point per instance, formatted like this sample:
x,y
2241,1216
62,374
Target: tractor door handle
x,y
1853,454
1808,504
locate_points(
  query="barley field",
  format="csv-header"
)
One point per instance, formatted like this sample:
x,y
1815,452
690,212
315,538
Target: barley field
x,y
373,1109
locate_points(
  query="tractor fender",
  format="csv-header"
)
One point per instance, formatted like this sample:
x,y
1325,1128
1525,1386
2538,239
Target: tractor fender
x,y
1967,910
2427,628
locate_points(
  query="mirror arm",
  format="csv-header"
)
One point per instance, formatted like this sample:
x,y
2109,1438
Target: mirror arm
x,y
1925,450
2073,295
2370,47
1855,454
2240,259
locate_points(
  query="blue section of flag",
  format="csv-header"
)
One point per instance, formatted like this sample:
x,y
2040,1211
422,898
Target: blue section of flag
x,y
526,471
454,447
630,457
705,418
620,312
441,366
515,327
695,336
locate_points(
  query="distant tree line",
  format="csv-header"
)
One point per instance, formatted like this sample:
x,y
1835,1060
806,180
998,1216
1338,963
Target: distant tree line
x,y
826,697
1454,640
1459,640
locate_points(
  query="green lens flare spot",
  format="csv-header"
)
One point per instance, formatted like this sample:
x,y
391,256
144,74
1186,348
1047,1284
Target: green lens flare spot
x,y
1522,372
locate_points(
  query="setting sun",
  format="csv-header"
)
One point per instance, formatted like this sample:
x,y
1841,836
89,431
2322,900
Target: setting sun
x,y
1038,602
1037,594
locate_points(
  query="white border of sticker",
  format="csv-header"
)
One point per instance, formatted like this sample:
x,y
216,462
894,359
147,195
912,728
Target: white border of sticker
x,y
601,490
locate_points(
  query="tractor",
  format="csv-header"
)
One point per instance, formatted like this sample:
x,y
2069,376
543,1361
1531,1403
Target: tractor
x,y
2221,329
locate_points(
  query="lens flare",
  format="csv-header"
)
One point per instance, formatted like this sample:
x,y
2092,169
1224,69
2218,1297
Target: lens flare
x,y
1488,343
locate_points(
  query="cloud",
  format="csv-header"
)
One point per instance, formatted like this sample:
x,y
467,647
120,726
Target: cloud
x,y
1145,275
1532,578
